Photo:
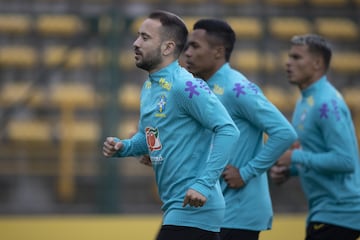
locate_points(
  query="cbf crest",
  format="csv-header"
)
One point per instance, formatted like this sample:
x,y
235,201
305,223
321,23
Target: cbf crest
x,y
153,139
302,120
161,106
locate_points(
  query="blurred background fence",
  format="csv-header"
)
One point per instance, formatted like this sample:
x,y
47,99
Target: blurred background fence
x,y
68,80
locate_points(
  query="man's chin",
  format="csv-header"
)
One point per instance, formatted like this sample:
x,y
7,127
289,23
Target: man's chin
x,y
189,68
138,64
291,81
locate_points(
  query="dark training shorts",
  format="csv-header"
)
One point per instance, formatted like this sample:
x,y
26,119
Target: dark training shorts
x,y
324,231
238,234
170,232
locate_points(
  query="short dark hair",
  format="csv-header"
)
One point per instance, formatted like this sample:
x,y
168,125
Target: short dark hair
x,y
174,28
221,31
316,44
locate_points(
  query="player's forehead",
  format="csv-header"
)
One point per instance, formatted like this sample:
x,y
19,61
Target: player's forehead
x,y
151,28
299,49
198,36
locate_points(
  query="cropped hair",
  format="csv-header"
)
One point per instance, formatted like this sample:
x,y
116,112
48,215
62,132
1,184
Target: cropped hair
x,y
221,31
174,28
316,44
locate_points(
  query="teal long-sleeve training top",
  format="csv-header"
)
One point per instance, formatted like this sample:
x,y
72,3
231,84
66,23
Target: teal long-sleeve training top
x,y
250,207
189,136
328,162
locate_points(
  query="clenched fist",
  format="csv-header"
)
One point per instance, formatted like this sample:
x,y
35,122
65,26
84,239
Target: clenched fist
x,y
111,146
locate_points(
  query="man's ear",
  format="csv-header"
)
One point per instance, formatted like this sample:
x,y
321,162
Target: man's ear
x,y
168,47
219,51
318,62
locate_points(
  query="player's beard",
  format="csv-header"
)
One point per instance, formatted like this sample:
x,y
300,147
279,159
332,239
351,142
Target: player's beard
x,y
151,60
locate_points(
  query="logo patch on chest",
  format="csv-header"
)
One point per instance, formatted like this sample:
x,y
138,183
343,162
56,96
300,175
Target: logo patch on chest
x,y
161,106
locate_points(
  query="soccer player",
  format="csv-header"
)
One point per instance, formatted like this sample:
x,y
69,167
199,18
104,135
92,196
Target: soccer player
x,y
184,128
327,158
244,180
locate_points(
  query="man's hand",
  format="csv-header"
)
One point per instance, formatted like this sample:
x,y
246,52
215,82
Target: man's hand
x,y
111,146
232,177
145,159
279,174
194,199
285,159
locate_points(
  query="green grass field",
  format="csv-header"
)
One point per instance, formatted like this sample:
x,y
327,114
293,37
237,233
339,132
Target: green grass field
x,y
118,227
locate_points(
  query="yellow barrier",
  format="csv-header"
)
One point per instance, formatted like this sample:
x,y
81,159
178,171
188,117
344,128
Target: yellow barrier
x,y
118,227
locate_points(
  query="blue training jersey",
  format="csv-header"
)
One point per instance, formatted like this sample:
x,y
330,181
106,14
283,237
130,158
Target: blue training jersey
x,y
250,207
189,136
328,162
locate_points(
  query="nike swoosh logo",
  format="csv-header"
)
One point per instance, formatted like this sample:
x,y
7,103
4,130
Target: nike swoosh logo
x,y
318,226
